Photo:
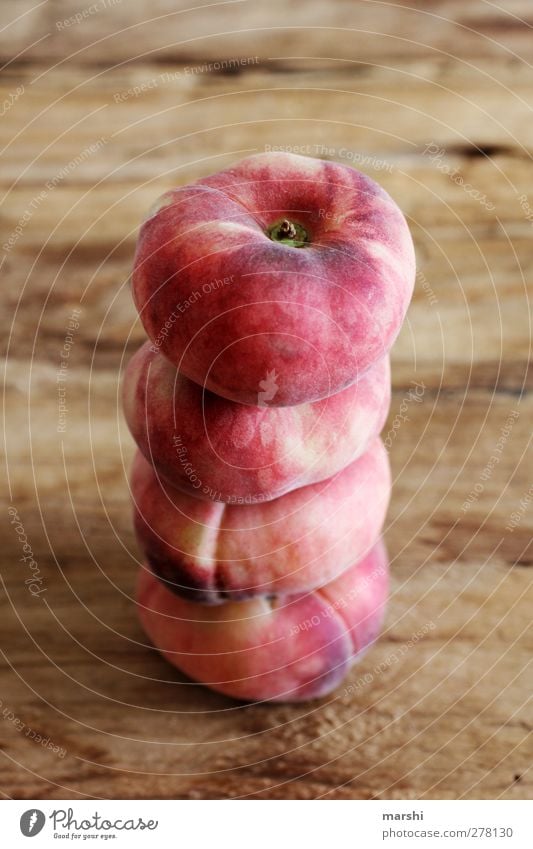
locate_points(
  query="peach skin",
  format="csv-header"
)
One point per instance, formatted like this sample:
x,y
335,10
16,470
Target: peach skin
x,y
280,280
211,552
270,650
217,449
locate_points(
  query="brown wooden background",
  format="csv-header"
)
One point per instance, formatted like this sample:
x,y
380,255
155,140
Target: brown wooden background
x,y
448,717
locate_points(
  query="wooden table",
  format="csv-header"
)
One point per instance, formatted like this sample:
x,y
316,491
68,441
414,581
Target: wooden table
x,y
102,113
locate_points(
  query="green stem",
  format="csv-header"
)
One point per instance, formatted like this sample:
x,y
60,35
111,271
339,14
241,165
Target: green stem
x,y
289,233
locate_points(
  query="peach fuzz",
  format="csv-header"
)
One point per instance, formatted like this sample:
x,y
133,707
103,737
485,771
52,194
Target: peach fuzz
x,y
217,449
278,650
210,552
283,277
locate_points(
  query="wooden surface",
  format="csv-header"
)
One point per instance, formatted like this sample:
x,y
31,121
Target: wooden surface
x,y
447,714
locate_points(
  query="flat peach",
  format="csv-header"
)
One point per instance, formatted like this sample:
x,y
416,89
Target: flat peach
x,y
214,448
291,650
282,278
212,552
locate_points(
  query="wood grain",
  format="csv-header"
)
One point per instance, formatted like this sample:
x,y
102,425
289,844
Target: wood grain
x,y
118,32
109,115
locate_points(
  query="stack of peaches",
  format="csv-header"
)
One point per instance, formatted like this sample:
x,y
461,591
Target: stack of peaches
x,y
271,293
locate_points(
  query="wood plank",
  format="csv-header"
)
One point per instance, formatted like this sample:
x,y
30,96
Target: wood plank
x,y
390,739
110,31
470,303
474,262
389,115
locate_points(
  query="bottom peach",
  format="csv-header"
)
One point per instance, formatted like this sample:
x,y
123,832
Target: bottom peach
x,y
288,649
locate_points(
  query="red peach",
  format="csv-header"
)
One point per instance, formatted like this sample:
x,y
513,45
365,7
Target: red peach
x,y
211,552
217,449
282,278
291,650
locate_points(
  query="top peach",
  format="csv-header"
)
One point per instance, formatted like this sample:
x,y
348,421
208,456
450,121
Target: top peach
x,y
278,281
